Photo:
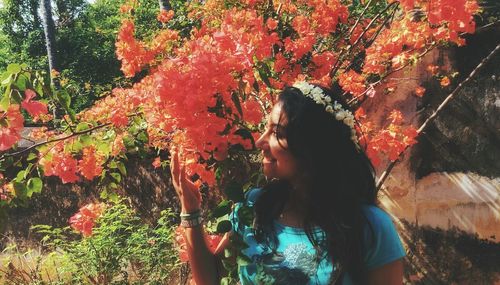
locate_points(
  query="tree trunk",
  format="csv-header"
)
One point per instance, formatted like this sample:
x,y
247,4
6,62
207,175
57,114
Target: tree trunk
x,y
49,30
165,5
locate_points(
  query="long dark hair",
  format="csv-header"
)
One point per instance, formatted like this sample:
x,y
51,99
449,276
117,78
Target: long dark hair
x,y
340,180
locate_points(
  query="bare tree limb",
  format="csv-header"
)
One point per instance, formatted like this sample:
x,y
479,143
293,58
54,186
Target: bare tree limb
x,y
443,104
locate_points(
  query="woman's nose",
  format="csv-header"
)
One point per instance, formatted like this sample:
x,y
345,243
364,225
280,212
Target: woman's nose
x,y
260,143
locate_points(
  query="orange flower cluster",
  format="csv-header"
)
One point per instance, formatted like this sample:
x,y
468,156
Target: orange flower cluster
x,y
11,125
165,16
352,82
452,17
59,163
90,165
390,141
34,108
202,91
84,220
131,52
408,37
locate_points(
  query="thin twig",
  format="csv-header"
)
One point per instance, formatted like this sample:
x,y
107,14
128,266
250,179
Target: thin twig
x,y
53,140
338,63
351,101
432,117
360,16
374,37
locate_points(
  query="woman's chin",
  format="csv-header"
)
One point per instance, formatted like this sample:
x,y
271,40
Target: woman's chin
x,y
268,170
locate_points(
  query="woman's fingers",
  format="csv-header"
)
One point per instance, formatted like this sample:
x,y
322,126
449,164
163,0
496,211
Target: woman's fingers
x,y
186,183
174,169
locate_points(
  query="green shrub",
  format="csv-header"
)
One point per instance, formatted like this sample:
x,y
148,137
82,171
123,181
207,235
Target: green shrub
x,y
121,250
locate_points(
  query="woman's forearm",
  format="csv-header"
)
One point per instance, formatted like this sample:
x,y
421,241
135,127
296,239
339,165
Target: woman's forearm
x,y
202,261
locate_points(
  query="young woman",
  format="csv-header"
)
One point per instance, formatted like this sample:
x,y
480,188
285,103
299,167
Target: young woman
x,y
316,221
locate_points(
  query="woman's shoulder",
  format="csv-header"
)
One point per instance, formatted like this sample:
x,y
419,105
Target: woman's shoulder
x,y
252,195
382,239
376,216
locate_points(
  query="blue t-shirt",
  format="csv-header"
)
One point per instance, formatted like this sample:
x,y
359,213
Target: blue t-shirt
x,y
296,261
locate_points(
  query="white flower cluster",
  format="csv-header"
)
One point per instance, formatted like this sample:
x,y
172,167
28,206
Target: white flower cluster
x,y
334,108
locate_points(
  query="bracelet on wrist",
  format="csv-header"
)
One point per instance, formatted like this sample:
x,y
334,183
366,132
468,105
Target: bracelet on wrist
x,y
190,216
191,223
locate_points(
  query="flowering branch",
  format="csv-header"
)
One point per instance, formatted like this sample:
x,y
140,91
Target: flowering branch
x,y
73,134
432,117
338,63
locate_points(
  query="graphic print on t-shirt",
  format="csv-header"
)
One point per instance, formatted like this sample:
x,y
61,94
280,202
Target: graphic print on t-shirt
x,y
295,265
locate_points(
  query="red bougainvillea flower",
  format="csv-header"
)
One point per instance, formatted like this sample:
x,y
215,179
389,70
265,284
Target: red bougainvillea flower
x,y
60,164
396,117
90,165
419,91
165,16
352,82
433,69
445,81
11,126
84,220
157,162
119,118
34,108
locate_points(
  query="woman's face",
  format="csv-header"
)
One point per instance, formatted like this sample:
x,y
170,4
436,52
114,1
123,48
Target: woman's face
x,y
278,162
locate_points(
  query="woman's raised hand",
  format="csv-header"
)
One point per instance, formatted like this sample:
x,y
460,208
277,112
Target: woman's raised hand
x,y
188,192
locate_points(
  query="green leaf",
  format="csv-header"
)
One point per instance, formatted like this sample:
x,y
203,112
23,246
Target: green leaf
x,y
82,127
104,194
234,191
243,260
72,114
116,176
64,99
34,185
264,73
5,102
21,175
38,87
225,281
114,197
16,96
142,137
222,209
104,147
6,78
86,140
224,226
228,253
14,68
31,156
121,167
19,190
21,82
112,164
236,100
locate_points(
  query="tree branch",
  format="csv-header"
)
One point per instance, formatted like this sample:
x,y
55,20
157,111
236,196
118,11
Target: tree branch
x,y
432,117
73,134
338,63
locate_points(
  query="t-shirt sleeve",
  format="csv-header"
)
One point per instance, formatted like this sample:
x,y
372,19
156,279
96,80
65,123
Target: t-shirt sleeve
x,y
250,198
385,246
